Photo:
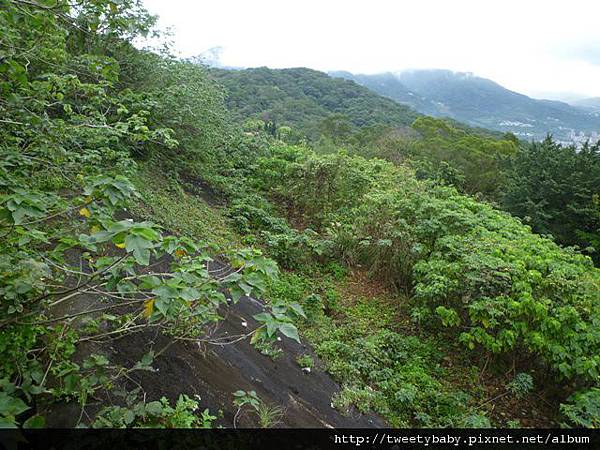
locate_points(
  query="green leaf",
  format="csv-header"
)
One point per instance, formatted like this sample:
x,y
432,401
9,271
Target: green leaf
x,y
263,317
140,247
11,405
289,330
155,408
147,358
162,305
7,422
129,417
35,422
298,309
256,280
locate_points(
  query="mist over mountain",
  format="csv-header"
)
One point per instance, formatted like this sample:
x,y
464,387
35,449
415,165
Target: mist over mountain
x,y
213,57
481,102
461,96
589,104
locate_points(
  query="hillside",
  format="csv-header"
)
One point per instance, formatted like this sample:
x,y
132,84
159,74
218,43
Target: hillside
x,y
388,85
303,98
590,104
482,102
163,267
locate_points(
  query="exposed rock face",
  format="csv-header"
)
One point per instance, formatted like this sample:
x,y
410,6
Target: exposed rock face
x,y
213,372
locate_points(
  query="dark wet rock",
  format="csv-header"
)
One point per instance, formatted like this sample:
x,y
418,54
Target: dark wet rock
x,y
213,372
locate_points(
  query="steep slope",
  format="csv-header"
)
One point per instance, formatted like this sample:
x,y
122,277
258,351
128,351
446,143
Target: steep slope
x,y
303,97
111,314
211,370
482,102
388,85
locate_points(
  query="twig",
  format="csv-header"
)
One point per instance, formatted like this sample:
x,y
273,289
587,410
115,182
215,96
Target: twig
x,y
82,313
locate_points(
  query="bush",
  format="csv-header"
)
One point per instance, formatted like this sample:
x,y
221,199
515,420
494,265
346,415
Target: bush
x,y
583,409
489,279
396,376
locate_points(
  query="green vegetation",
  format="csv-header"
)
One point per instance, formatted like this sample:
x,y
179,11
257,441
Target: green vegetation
x,y
302,98
74,117
169,204
583,409
123,176
562,199
305,361
496,287
400,376
268,416
156,414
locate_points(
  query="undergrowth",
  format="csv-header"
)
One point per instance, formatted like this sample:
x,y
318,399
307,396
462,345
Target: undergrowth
x,y
165,202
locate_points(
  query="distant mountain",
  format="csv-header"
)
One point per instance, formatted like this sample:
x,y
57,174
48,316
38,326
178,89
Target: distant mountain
x,y
212,58
388,85
483,103
303,97
590,104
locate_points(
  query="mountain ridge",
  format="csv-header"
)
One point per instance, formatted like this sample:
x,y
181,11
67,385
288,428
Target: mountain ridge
x,y
303,97
590,104
481,102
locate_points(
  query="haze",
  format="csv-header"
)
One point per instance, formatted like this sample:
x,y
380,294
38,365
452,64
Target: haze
x,y
545,49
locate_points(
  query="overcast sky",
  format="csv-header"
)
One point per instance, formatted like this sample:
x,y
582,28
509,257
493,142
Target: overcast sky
x,y
539,47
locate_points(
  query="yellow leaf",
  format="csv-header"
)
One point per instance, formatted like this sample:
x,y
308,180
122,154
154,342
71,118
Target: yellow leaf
x,y
85,212
148,307
180,252
257,335
121,245
94,229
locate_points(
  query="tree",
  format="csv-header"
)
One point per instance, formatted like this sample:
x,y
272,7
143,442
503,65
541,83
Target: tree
x,y
555,188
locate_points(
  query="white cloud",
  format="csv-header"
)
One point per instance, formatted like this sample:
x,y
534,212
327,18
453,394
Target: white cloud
x,y
529,46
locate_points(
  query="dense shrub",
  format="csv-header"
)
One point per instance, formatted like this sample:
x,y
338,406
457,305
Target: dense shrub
x,y
398,376
583,409
508,288
481,272
71,128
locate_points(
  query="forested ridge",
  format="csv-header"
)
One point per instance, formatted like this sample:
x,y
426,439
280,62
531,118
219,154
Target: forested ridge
x,y
302,98
431,269
481,102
